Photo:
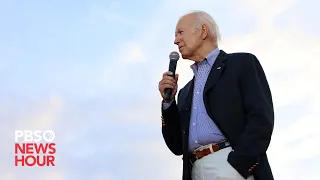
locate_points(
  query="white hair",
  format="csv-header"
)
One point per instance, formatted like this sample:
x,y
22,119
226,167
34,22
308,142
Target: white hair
x,y
205,18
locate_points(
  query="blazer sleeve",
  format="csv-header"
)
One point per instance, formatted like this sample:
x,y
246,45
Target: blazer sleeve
x,y
258,106
171,130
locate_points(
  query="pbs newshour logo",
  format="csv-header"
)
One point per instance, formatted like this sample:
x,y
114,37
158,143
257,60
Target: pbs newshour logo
x,y
34,148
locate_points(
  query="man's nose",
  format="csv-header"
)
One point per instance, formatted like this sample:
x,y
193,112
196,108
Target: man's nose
x,y
176,41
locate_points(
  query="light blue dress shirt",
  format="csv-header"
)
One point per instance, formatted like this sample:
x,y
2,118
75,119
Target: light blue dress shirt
x,y
202,130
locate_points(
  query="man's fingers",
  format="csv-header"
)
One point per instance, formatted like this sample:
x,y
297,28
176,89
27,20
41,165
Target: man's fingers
x,y
166,85
168,73
169,81
169,78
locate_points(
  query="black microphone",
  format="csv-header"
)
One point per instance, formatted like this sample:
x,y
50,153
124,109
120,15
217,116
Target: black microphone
x,y
174,57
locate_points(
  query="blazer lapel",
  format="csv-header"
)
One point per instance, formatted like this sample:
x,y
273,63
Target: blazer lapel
x,y
216,71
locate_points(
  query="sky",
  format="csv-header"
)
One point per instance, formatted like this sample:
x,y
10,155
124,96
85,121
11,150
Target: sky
x,y
89,71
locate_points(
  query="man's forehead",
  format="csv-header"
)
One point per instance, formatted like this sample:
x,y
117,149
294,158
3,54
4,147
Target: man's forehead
x,y
187,19
184,21
179,28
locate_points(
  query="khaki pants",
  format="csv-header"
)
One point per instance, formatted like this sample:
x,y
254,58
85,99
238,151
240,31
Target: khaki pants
x,y
216,167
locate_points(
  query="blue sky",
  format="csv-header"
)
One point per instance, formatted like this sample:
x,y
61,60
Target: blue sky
x,y
89,70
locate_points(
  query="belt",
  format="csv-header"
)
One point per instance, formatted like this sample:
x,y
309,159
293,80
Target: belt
x,y
207,149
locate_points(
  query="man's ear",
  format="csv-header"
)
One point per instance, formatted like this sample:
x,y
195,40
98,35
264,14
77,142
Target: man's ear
x,y
204,31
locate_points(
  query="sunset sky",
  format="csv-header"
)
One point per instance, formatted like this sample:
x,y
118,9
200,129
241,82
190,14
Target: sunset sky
x,y
89,71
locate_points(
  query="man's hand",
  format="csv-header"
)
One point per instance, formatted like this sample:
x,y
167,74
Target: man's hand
x,y
168,81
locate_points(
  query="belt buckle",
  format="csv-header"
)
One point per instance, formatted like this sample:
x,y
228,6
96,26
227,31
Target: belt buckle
x,y
214,148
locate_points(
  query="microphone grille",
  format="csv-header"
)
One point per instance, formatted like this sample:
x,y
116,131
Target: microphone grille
x,y
174,56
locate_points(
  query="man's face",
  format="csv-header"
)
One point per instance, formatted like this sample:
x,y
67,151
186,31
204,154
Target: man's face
x,y
187,37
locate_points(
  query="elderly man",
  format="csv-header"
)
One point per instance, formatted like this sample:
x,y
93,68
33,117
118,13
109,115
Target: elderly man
x,y
223,118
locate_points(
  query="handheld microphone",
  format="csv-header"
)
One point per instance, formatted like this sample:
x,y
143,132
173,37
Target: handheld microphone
x,y
174,57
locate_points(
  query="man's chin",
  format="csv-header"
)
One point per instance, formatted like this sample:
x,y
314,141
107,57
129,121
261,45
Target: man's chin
x,y
184,56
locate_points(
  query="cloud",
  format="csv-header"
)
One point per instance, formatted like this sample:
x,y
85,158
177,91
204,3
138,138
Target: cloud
x,y
286,67
123,68
33,114
267,8
133,53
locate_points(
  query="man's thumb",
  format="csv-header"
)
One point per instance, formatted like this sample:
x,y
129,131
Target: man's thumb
x,y
177,77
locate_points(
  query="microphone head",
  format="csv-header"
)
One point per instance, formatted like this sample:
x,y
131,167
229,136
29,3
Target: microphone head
x,y
174,56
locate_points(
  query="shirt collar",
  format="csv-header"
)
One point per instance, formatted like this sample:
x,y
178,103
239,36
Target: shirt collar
x,y
211,58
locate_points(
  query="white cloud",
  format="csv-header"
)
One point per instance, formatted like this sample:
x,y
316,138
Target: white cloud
x,y
269,8
282,55
132,52
41,116
121,66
